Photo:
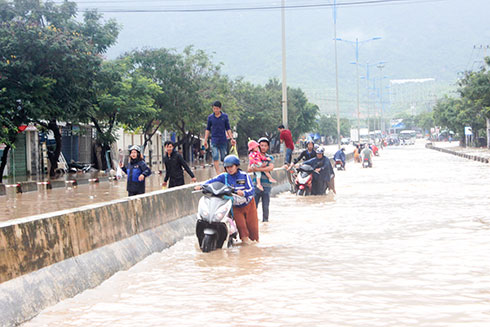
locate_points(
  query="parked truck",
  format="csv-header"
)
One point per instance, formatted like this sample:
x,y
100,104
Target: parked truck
x,y
354,136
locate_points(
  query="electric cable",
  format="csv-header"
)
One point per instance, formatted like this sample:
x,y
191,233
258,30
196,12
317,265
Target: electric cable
x,y
253,8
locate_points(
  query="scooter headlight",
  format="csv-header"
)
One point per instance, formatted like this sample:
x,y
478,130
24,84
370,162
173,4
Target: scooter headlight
x,y
222,212
203,208
203,213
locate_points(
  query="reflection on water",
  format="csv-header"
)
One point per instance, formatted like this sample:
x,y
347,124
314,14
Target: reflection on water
x,y
403,244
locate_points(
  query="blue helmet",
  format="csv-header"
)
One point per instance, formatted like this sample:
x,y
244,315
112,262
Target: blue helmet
x,y
231,160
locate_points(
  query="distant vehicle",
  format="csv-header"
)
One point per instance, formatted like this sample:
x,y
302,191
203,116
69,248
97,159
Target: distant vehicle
x,y
304,180
407,137
339,165
366,163
364,139
345,140
354,136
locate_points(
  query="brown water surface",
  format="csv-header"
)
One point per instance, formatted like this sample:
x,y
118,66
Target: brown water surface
x,y
405,243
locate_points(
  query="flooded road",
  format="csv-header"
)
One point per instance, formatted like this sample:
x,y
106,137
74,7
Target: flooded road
x,y
405,243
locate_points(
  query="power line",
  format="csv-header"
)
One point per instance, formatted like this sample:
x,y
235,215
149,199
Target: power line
x,y
255,8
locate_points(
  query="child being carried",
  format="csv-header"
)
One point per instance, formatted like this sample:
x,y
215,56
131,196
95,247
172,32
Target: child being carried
x,y
258,160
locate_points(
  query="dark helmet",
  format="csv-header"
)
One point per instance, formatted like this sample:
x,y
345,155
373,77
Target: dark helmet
x,y
231,160
264,139
135,147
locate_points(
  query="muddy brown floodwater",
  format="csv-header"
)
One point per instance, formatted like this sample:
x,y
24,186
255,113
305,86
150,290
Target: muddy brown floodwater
x,y
405,243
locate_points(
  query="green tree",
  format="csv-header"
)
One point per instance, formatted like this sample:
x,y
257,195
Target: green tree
x,y
327,126
49,60
425,120
475,88
189,82
259,111
120,98
302,115
445,114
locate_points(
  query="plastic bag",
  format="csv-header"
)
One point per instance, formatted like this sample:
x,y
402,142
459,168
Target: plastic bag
x,y
233,150
119,173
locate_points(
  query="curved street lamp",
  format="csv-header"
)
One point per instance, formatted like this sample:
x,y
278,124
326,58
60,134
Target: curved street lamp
x,y
356,43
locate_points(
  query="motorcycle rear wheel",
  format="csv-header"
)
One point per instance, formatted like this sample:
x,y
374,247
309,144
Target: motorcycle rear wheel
x,y
208,243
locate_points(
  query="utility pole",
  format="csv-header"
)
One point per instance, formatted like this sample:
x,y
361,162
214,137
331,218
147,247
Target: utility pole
x,y
484,48
284,83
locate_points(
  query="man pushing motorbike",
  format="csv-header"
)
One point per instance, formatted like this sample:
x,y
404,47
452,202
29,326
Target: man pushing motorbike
x,y
324,176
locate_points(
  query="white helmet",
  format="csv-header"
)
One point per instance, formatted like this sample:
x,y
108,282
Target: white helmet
x,y
135,147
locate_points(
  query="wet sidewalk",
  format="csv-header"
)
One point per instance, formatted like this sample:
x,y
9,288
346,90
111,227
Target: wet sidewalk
x,y
88,191
479,154
18,205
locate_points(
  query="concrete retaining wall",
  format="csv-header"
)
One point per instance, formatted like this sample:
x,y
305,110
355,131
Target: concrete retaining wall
x,y
459,154
47,258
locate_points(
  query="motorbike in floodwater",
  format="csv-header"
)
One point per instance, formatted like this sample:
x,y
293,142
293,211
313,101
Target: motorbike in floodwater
x,y
339,165
366,163
77,167
215,225
304,180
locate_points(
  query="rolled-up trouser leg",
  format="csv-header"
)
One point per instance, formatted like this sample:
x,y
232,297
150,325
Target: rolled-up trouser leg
x,y
246,221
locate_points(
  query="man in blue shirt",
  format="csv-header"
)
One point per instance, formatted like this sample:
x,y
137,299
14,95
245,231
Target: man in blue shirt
x,y
219,128
265,195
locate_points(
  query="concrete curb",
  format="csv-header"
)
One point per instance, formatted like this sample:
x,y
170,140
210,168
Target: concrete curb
x,y
459,154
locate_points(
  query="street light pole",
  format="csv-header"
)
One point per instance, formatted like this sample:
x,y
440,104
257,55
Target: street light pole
x,y
368,98
284,84
336,71
367,90
357,82
357,43
381,122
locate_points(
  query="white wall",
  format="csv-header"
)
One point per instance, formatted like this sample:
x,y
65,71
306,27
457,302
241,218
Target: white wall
x,y
126,139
